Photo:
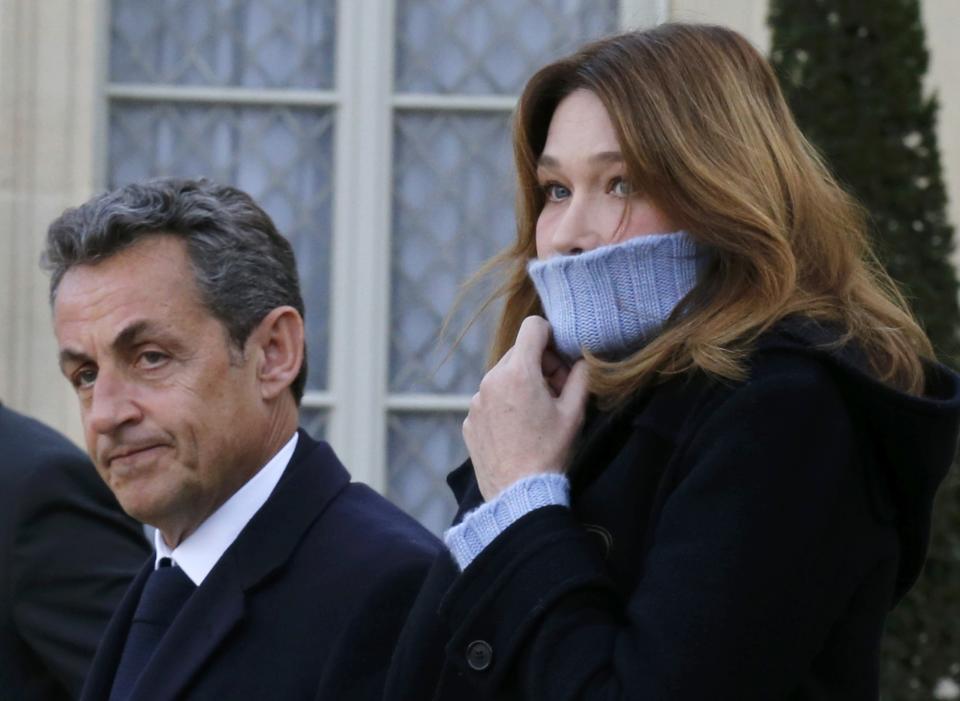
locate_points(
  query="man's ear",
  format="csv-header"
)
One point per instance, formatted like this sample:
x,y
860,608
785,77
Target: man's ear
x,y
277,342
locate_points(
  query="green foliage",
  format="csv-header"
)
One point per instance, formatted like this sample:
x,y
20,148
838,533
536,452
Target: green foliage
x,y
853,73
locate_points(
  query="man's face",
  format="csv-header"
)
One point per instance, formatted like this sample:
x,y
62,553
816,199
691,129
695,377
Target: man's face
x,y
172,415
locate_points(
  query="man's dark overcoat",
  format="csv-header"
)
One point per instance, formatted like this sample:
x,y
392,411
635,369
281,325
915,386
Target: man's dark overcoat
x,y
306,603
67,555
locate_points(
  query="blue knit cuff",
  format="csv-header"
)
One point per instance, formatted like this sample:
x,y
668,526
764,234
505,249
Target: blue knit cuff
x,y
481,526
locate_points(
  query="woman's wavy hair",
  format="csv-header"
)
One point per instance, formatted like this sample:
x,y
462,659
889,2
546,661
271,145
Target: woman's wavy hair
x,y
707,135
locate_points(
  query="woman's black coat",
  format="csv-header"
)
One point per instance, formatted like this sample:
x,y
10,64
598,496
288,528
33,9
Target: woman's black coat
x,y
725,541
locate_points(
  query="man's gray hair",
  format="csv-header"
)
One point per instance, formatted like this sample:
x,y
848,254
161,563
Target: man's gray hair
x,y
243,267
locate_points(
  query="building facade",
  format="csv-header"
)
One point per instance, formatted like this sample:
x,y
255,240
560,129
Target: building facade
x,y
375,132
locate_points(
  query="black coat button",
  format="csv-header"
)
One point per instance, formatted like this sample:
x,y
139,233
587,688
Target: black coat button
x,y
479,655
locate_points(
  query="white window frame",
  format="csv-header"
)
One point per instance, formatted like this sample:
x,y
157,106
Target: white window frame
x,y
358,399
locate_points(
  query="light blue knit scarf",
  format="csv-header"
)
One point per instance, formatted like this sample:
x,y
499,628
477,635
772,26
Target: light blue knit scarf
x,y
614,299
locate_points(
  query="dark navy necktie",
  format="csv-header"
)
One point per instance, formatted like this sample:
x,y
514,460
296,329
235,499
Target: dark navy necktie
x,y
165,592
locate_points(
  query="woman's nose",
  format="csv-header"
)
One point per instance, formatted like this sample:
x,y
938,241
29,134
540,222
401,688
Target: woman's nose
x,y
575,231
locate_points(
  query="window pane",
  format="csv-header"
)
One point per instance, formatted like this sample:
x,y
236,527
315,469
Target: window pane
x,y
452,209
423,448
283,157
247,43
490,47
314,421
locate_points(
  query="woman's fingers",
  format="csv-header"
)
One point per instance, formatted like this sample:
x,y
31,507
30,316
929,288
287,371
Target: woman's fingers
x,y
532,340
573,397
526,414
555,371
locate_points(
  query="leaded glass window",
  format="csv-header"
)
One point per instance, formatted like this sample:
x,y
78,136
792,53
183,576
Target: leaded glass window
x,y
376,134
188,86
452,201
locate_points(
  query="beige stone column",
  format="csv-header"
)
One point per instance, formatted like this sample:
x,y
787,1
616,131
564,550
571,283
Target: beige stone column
x,y
941,18
749,17
50,107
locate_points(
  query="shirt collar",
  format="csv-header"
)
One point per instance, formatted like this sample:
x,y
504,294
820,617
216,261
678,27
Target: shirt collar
x,y
201,550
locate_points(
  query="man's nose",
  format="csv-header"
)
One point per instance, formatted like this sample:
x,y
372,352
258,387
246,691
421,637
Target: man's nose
x,y
112,403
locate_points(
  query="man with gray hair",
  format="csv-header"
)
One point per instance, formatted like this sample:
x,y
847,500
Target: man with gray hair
x,y
179,319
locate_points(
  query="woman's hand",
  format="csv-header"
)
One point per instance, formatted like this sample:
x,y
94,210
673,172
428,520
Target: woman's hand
x,y
524,417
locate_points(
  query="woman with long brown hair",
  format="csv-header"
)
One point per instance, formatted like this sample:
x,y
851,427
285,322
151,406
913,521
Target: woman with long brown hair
x,y
708,472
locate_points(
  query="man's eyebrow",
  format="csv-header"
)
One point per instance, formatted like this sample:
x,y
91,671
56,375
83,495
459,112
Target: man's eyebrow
x,y
548,161
124,341
129,336
72,356
145,330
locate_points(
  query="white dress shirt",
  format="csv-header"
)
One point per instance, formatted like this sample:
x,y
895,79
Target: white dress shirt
x,y
201,550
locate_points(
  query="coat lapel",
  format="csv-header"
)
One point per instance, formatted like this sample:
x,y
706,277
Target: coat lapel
x,y
214,609
104,667
599,441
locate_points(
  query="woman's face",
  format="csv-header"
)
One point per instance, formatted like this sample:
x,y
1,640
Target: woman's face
x,y
583,176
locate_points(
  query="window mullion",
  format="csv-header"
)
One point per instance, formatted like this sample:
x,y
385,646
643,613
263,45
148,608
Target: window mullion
x,y
361,245
208,94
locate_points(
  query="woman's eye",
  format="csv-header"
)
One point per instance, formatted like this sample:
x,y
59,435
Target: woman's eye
x,y
556,192
621,188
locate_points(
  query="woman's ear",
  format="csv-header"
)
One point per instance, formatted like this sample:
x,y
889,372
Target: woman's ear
x,y
278,343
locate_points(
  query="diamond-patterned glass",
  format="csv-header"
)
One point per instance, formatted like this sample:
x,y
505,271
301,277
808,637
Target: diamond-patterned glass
x,y
489,47
282,157
452,210
422,449
242,43
314,421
